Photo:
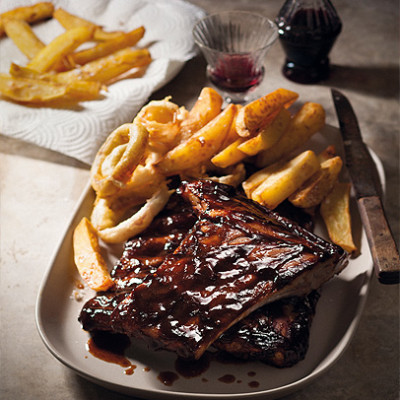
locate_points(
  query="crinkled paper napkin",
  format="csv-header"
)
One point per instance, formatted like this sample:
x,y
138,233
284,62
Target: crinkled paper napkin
x,y
79,131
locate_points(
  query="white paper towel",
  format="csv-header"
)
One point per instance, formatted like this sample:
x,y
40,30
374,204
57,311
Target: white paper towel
x,y
79,131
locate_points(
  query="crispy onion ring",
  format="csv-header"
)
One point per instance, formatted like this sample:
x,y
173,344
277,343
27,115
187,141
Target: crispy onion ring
x,y
145,180
162,119
138,221
108,211
117,158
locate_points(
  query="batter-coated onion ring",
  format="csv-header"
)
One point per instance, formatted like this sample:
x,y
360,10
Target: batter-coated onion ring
x,y
162,118
138,221
118,157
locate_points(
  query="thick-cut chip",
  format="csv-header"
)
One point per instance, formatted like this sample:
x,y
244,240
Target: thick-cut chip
x,y
201,146
282,179
70,21
206,108
268,136
232,135
21,33
60,47
37,91
256,179
83,90
230,155
256,115
335,211
327,153
30,14
32,87
88,258
306,122
107,68
117,158
101,70
314,190
18,71
30,90
106,48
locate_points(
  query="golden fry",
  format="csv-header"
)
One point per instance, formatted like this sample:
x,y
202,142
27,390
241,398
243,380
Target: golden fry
x,y
21,33
88,258
255,116
201,146
232,135
107,68
327,153
335,211
256,179
230,155
18,71
70,21
283,179
79,90
106,48
207,107
30,14
34,90
60,47
268,136
307,121
30,90
83,90
319,185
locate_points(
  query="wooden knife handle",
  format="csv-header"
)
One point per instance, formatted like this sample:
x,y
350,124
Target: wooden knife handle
x,y
383,248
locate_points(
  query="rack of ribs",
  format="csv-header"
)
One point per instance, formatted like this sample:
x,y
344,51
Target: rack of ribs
x,y
225,257
277,333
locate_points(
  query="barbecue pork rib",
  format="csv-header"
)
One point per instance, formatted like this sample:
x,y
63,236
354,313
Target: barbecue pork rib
x,y
142,255
237,257
276,334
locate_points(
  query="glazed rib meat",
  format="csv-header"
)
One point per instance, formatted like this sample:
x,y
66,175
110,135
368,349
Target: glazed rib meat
x,y
237,257
142,256
277,333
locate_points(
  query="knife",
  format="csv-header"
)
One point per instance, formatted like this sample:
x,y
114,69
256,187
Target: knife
x,y
368,190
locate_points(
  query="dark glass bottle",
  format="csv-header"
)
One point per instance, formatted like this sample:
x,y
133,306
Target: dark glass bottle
x,y
307,31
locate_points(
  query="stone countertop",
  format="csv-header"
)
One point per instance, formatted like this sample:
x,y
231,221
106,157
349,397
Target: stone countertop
x,y
40,190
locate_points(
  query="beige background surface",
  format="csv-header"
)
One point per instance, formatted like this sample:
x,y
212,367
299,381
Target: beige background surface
x,y
40,188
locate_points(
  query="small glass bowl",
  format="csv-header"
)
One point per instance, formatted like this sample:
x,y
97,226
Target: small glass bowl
x,y
234,44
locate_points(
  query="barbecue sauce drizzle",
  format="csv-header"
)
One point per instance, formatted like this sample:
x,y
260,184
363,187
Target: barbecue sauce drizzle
x,y
111,347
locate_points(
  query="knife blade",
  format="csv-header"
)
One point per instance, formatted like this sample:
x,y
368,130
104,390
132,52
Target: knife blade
x,y
368,191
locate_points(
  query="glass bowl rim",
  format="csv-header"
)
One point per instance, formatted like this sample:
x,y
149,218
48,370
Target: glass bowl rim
x,y
271,23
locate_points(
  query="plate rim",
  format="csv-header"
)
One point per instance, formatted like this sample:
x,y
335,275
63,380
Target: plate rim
x,y
323,366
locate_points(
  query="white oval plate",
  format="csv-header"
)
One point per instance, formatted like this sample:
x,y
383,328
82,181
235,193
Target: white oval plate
x,y
338,313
